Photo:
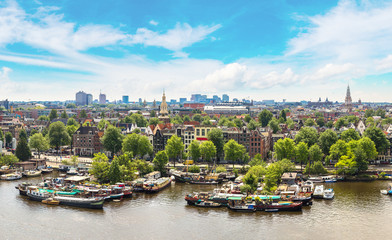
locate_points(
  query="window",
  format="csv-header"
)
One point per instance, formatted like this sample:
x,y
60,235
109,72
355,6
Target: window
x,y
198,132
203,132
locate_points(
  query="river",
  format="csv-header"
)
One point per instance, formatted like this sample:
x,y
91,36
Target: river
x,y
358,211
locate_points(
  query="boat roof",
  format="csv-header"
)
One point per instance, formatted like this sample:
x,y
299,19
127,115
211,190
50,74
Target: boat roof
x,y
235,198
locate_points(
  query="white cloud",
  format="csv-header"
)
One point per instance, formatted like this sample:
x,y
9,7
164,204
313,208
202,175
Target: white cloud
x,y
152,22
182,36
348,32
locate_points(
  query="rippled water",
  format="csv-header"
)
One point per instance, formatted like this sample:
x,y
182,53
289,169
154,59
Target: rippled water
x,y
358,211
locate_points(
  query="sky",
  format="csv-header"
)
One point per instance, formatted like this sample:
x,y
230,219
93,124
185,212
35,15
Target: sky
x,y
293,49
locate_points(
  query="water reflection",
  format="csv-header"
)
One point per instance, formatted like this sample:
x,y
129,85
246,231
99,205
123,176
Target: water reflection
x,y
357,210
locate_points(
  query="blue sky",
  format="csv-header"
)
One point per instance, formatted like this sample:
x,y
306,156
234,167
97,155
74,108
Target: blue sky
x,y
297,50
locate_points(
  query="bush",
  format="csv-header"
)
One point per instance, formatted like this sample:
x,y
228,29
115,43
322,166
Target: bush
x,y
220,169
194,169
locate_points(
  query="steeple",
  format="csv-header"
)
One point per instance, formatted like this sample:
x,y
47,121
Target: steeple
x,y
348,100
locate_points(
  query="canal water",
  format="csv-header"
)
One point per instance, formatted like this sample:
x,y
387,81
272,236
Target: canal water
x,y
358,211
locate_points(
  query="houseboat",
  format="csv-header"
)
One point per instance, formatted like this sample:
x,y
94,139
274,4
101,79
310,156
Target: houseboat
x,y
93,203
156,185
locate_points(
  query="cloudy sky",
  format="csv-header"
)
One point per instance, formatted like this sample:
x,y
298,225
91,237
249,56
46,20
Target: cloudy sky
x,y
293,49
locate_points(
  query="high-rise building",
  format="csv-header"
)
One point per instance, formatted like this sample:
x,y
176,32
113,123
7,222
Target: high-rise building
x,y
89,99
182,100
348,101
125,99
81,98
102,98
225,98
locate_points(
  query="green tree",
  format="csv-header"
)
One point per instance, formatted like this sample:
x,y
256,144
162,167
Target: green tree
x,y
380,112
100,167
64,114
368,147
349,134
39,142
58,135
370,122
197,117
72,122
326,140
310,122
369,113
8,160
307,135
74,161
265,117
251,180
216,136
8,138
1,135
346,165
302,153
316,168
174,148
22,151
290,123
252,125
83,114
114,172
233,151
257,161
112,139
153,114
207,151
378,137
160,161
338,149
247,118
71,105
142,166
341,122
22,134
320,122
137,144
154,121
315,153
53,114
274,125
284,148
283,115
43,118
329,124
194,169
186,118
194,150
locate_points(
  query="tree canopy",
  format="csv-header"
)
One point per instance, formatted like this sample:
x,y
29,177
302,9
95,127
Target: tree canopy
x,y
112,139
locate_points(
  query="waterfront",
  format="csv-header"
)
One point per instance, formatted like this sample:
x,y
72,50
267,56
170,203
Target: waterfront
x,y
358,211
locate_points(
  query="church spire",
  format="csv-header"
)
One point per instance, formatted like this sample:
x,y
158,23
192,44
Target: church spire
x,y
348,100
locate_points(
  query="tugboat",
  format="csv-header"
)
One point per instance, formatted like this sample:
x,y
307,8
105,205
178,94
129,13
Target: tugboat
x,y
35,194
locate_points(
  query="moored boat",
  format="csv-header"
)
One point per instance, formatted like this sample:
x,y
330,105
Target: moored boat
x,y
191,199
319,192
207,204
11,176
329,179
34,193
93,203
279,206
46,170
153,186
32,173
329,194
51,201
72,171
239,204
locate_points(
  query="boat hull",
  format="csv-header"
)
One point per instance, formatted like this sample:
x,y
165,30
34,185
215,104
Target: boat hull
x,y
74,202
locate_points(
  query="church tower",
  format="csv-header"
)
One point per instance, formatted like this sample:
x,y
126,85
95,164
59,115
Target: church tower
x,y
348,101
163,113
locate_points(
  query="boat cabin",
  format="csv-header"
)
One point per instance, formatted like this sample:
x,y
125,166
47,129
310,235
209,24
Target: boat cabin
x,y
290,178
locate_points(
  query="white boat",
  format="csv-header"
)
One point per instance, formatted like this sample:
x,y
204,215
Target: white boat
x,y
329,193
319,191
316,179
329,179
11,176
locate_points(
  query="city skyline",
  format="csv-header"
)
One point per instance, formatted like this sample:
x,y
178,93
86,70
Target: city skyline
x,y
294,50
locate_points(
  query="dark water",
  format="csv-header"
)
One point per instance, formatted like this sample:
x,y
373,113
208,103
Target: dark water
x,y
358,211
